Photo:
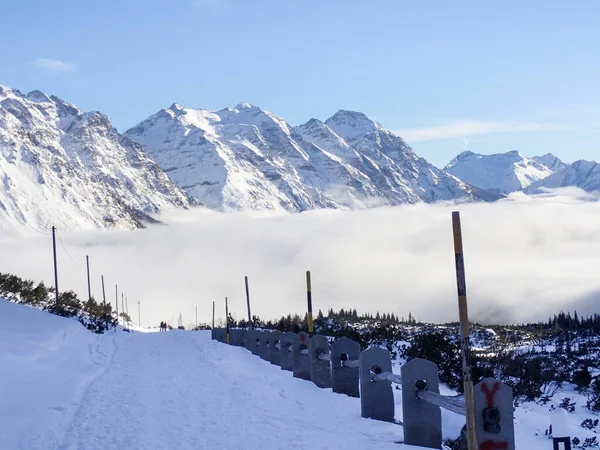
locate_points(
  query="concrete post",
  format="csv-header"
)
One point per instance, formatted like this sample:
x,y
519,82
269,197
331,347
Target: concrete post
x,y
256,339
345,379
265,343
320,370
422,420
286,356
274,351
248,339
376,397
301,358
494,415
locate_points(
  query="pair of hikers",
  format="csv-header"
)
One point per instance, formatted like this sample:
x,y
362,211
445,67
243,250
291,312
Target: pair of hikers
x,y
163,326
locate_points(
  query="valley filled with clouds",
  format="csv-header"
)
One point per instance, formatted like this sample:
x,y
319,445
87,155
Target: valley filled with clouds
x,y
526,257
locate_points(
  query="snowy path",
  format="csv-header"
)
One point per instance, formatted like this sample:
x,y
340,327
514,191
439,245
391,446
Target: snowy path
x,y
182,390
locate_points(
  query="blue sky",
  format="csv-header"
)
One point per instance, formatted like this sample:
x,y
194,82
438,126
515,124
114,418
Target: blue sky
x,y
487,76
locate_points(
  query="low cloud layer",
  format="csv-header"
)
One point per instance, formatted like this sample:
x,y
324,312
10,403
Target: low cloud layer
x,y
526,258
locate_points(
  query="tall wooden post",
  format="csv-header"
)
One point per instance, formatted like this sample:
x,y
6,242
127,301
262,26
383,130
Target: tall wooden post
x,y
213,321
309,299
227,322
105,310
87,263
55,266
250,325
117,303
464,331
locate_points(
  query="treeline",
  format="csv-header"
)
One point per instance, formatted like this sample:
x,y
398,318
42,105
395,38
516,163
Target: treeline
x,y
92,315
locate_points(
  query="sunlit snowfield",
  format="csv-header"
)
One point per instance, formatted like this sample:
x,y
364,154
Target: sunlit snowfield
x,y
526,258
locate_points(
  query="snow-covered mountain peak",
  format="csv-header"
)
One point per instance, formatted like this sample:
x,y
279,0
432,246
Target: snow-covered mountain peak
x,y
352,124
507,172
246,106
550,161
72,169
249,158
582,174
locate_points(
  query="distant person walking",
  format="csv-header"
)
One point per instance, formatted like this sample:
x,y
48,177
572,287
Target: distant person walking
x,y
163,326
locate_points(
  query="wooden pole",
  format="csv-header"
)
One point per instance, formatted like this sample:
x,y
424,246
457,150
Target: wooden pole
x,y
213,322
309,299
465,350
117,303
87,263
105,310
55,266
226,321
248,303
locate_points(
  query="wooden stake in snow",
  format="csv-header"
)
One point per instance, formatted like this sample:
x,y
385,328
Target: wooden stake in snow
x,y
105,310
227,322
464,330
248,302
309,299
55,265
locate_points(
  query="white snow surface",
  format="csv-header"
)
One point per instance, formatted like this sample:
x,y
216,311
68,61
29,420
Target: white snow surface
x,y
71,169
64,388
507,172
245,158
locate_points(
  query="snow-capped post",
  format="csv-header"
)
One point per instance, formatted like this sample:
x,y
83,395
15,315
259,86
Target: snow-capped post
x,y
301,358
105,310
320,361
465,350
376,397
87,263
226,322
55,266
344,366
275,348
286,355
309,299
561,436
250,325
494,415
422,420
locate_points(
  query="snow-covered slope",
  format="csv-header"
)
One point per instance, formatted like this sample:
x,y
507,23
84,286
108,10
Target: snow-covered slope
x,y
62,387
507,172
581,174
247,158
71,169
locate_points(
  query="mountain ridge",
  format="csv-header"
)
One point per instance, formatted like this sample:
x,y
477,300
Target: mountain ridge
x,y
349,161
62,166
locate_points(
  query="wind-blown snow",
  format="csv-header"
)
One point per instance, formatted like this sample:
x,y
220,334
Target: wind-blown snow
x,y
71,169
